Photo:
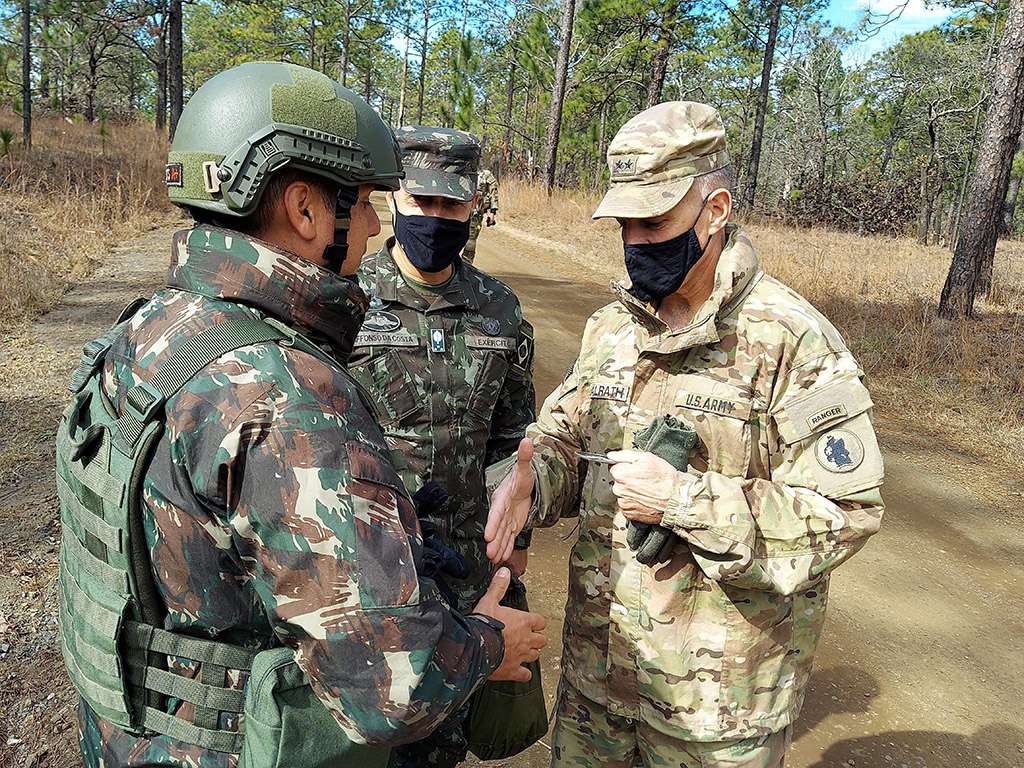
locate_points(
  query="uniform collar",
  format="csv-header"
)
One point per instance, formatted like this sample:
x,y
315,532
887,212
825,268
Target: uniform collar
x,y
736,273
390,286
223,264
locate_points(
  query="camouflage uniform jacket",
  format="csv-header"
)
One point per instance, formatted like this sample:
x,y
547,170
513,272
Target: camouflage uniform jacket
x,y
453,385
487,189
718,643
273,514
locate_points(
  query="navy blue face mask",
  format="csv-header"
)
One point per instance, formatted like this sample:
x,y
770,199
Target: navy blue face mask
x,y
658,269
430,242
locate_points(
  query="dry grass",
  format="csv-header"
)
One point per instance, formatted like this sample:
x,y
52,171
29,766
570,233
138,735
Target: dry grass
x,y
954,387
66,200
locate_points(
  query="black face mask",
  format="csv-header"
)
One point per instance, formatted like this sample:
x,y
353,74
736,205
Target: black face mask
x,y
336,252
430,242
658,269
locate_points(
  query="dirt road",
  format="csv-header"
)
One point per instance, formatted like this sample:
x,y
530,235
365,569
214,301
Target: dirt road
x,y
920,664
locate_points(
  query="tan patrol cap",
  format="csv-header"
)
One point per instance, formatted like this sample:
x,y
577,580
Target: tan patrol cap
x,y
655,157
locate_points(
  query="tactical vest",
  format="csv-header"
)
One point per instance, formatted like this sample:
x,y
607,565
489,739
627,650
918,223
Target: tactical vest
x,y
111,615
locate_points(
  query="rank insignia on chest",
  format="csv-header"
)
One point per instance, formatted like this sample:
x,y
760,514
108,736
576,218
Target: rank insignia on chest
x,y
437,340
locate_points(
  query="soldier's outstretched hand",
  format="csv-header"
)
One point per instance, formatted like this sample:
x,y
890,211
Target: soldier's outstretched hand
x,y
523,640
510,506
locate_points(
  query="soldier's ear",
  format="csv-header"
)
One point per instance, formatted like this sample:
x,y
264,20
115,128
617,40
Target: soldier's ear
x,y
390,197
720,207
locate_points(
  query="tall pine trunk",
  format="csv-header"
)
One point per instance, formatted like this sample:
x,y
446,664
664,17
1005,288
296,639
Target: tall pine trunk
x,y
26,74
405,66
970,274
558,93
161,73
1013,191
423,62
175,74
506,140
754,161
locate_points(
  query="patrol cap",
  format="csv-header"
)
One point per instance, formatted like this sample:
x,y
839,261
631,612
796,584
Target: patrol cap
x,y
656,155
439,161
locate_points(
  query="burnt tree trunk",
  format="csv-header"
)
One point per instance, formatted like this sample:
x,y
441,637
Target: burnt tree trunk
x,y
750,191
658,69
970,274
558,93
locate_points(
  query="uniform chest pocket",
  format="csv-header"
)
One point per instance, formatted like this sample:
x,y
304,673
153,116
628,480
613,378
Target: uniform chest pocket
x,y
492,367
391,387
722,414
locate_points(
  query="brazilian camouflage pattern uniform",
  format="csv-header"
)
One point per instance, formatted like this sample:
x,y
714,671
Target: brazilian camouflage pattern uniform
x,y
487,188
715,645
452,382
273,514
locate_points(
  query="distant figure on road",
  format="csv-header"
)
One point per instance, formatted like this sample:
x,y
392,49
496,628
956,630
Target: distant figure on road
x,y
696,652
241,566
486,210
448,358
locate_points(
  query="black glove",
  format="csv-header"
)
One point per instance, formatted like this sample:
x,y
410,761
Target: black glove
x,y
437,560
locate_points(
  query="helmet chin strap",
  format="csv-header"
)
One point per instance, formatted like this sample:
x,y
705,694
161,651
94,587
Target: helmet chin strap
x,y
336,252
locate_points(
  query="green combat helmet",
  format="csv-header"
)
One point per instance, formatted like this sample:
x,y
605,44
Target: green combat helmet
x,y
245,124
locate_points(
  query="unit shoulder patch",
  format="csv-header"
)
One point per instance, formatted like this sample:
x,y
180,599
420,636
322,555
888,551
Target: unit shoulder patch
x,y
839,450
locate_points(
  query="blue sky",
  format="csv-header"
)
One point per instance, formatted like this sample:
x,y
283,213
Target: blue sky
x,y
915,18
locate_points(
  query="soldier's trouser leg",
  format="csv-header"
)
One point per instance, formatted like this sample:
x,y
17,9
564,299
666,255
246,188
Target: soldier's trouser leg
x,y
444,748
469,252
586,735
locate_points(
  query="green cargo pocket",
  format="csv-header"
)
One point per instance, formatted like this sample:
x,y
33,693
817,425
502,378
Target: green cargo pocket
x,y
287,726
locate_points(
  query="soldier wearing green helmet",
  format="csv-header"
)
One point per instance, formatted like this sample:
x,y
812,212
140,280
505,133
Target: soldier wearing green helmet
x,y
242,572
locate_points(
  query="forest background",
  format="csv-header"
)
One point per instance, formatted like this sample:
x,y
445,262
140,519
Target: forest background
x,y
881,145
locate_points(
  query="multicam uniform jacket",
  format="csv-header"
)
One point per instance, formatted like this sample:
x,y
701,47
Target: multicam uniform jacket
x,y
272,511
453,385
716,644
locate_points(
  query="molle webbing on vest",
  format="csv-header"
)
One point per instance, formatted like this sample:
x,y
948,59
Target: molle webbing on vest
x,y
110,613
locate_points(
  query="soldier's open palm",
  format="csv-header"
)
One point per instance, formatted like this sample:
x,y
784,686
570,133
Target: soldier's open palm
x,y
510,506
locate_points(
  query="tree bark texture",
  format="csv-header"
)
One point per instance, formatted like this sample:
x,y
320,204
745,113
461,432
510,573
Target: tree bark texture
x,y
175,76
26,74
658,69
970,274
754,161
161,73
558,93
1012,192
506,140
423,62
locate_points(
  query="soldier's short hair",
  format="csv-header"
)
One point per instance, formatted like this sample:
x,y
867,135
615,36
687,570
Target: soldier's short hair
x,y
257,223
720,178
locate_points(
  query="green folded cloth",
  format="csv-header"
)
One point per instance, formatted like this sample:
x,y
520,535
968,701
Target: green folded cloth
x,y
673,441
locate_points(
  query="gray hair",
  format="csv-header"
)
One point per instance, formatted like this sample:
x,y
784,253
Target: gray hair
x,y
720,178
